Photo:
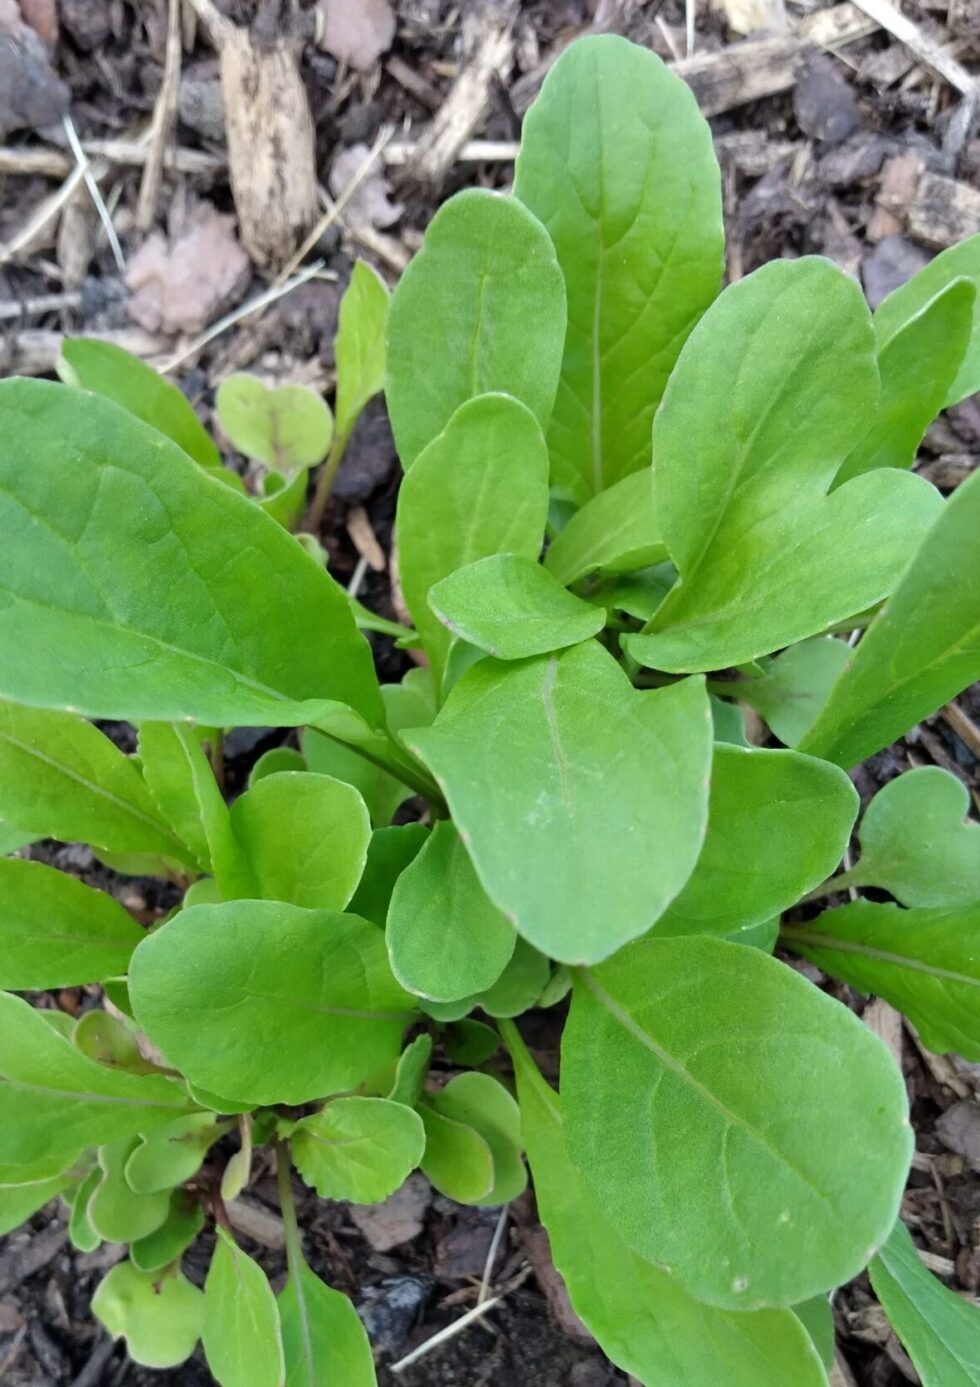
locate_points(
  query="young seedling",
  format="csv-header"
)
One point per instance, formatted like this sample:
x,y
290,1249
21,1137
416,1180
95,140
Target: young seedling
x,y
633,502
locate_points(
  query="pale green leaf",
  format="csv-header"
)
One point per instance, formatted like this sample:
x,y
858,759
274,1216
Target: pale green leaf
x,y
269,1003
446,938
280,758
618,163
480,309
159,1314
172,1154
390,852
183,786
241,1330
110,1040
940,1329
922,648
796,685
146,619
358,1149
511,607
305,837
643,1320
19,1202
284,427
56,932
323,1340
359,349
479,488
773,389
411,1071
614,532
605,786
480,1102
116,1212
737,1079
81,1234
457,1160
519,986
169,1242
380,790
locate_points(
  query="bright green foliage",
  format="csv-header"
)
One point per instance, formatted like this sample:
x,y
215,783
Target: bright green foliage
x,y
86,607
610,782
168,1242
921,649
267,1002
111,1040
183,787
940,1330
360,1149
925,961
617,162
511,607
479,1102
19,1202
390,852
817,1317
241,1333
81,1234
615,532
55,932
116,1212
360,347
457,1159
904,304
480,309
410,1072
772,390
284,427
647,1324
778,824
795,685
446,938
172,1154
160,1315
280,758
322,1338
13,838
379,789
730,1100
305,836
519,985
479,488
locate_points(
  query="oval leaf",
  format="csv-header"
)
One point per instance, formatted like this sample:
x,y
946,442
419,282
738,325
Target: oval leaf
x,y
322,1337
284,427
241,1332
359,1149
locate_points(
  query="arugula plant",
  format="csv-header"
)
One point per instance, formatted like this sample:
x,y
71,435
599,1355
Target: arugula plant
x,y
633,503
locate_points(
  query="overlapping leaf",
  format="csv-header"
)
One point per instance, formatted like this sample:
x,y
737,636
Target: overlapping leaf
x,y
795,685
241,1332
160,1315
359,1149
615,532
360,347
322,1338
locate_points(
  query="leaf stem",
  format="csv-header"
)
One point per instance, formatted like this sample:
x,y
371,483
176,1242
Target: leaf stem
x,y
287,1207
841,882
324,483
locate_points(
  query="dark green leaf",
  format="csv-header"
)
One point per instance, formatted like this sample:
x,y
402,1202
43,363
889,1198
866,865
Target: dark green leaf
x,y
389,853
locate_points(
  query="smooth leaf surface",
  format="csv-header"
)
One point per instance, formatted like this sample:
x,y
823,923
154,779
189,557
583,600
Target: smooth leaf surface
x,y
643,1320
922,648
381,791
160,1316
19,1202
359,348
480,488
305,836
81,1234
110,1040
182,783
172,1154
519,985
605,785
323,1340
411,1071
778,825
359,1149
773,389
446,938
940,1329
795,686
817,1317
55,1099
457,1160
614,532
735,1078
390,852
926,962
460,318
116,1212
241,1332
169,1242
146,619
480,1102
284,426
618,163
266,1002
512,608
56,932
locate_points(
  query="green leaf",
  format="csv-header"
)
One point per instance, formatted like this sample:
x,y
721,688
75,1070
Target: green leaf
x,y
13,838
817,1317
55,1099
904,303
268,1003
796,685
728,722
169,1242
284,427
614,532
922,648
241,1331
798,1165
519,985
940,1329
917,842
146,620
183,786
511,607
618,163
461,314
108,370
55,932
172,1154
305,836
643,1320
925,962
411,1071
446,938
116,1212
110,1040
609,784
358,1149
60,777
479,488
773,389
918,367
37,1171
778,825
457,1160
322,1337
280,758
478,1101
359,348
284,499
19,1202
379,789
81,1234
471,1043
763,936
390,852
160,1315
